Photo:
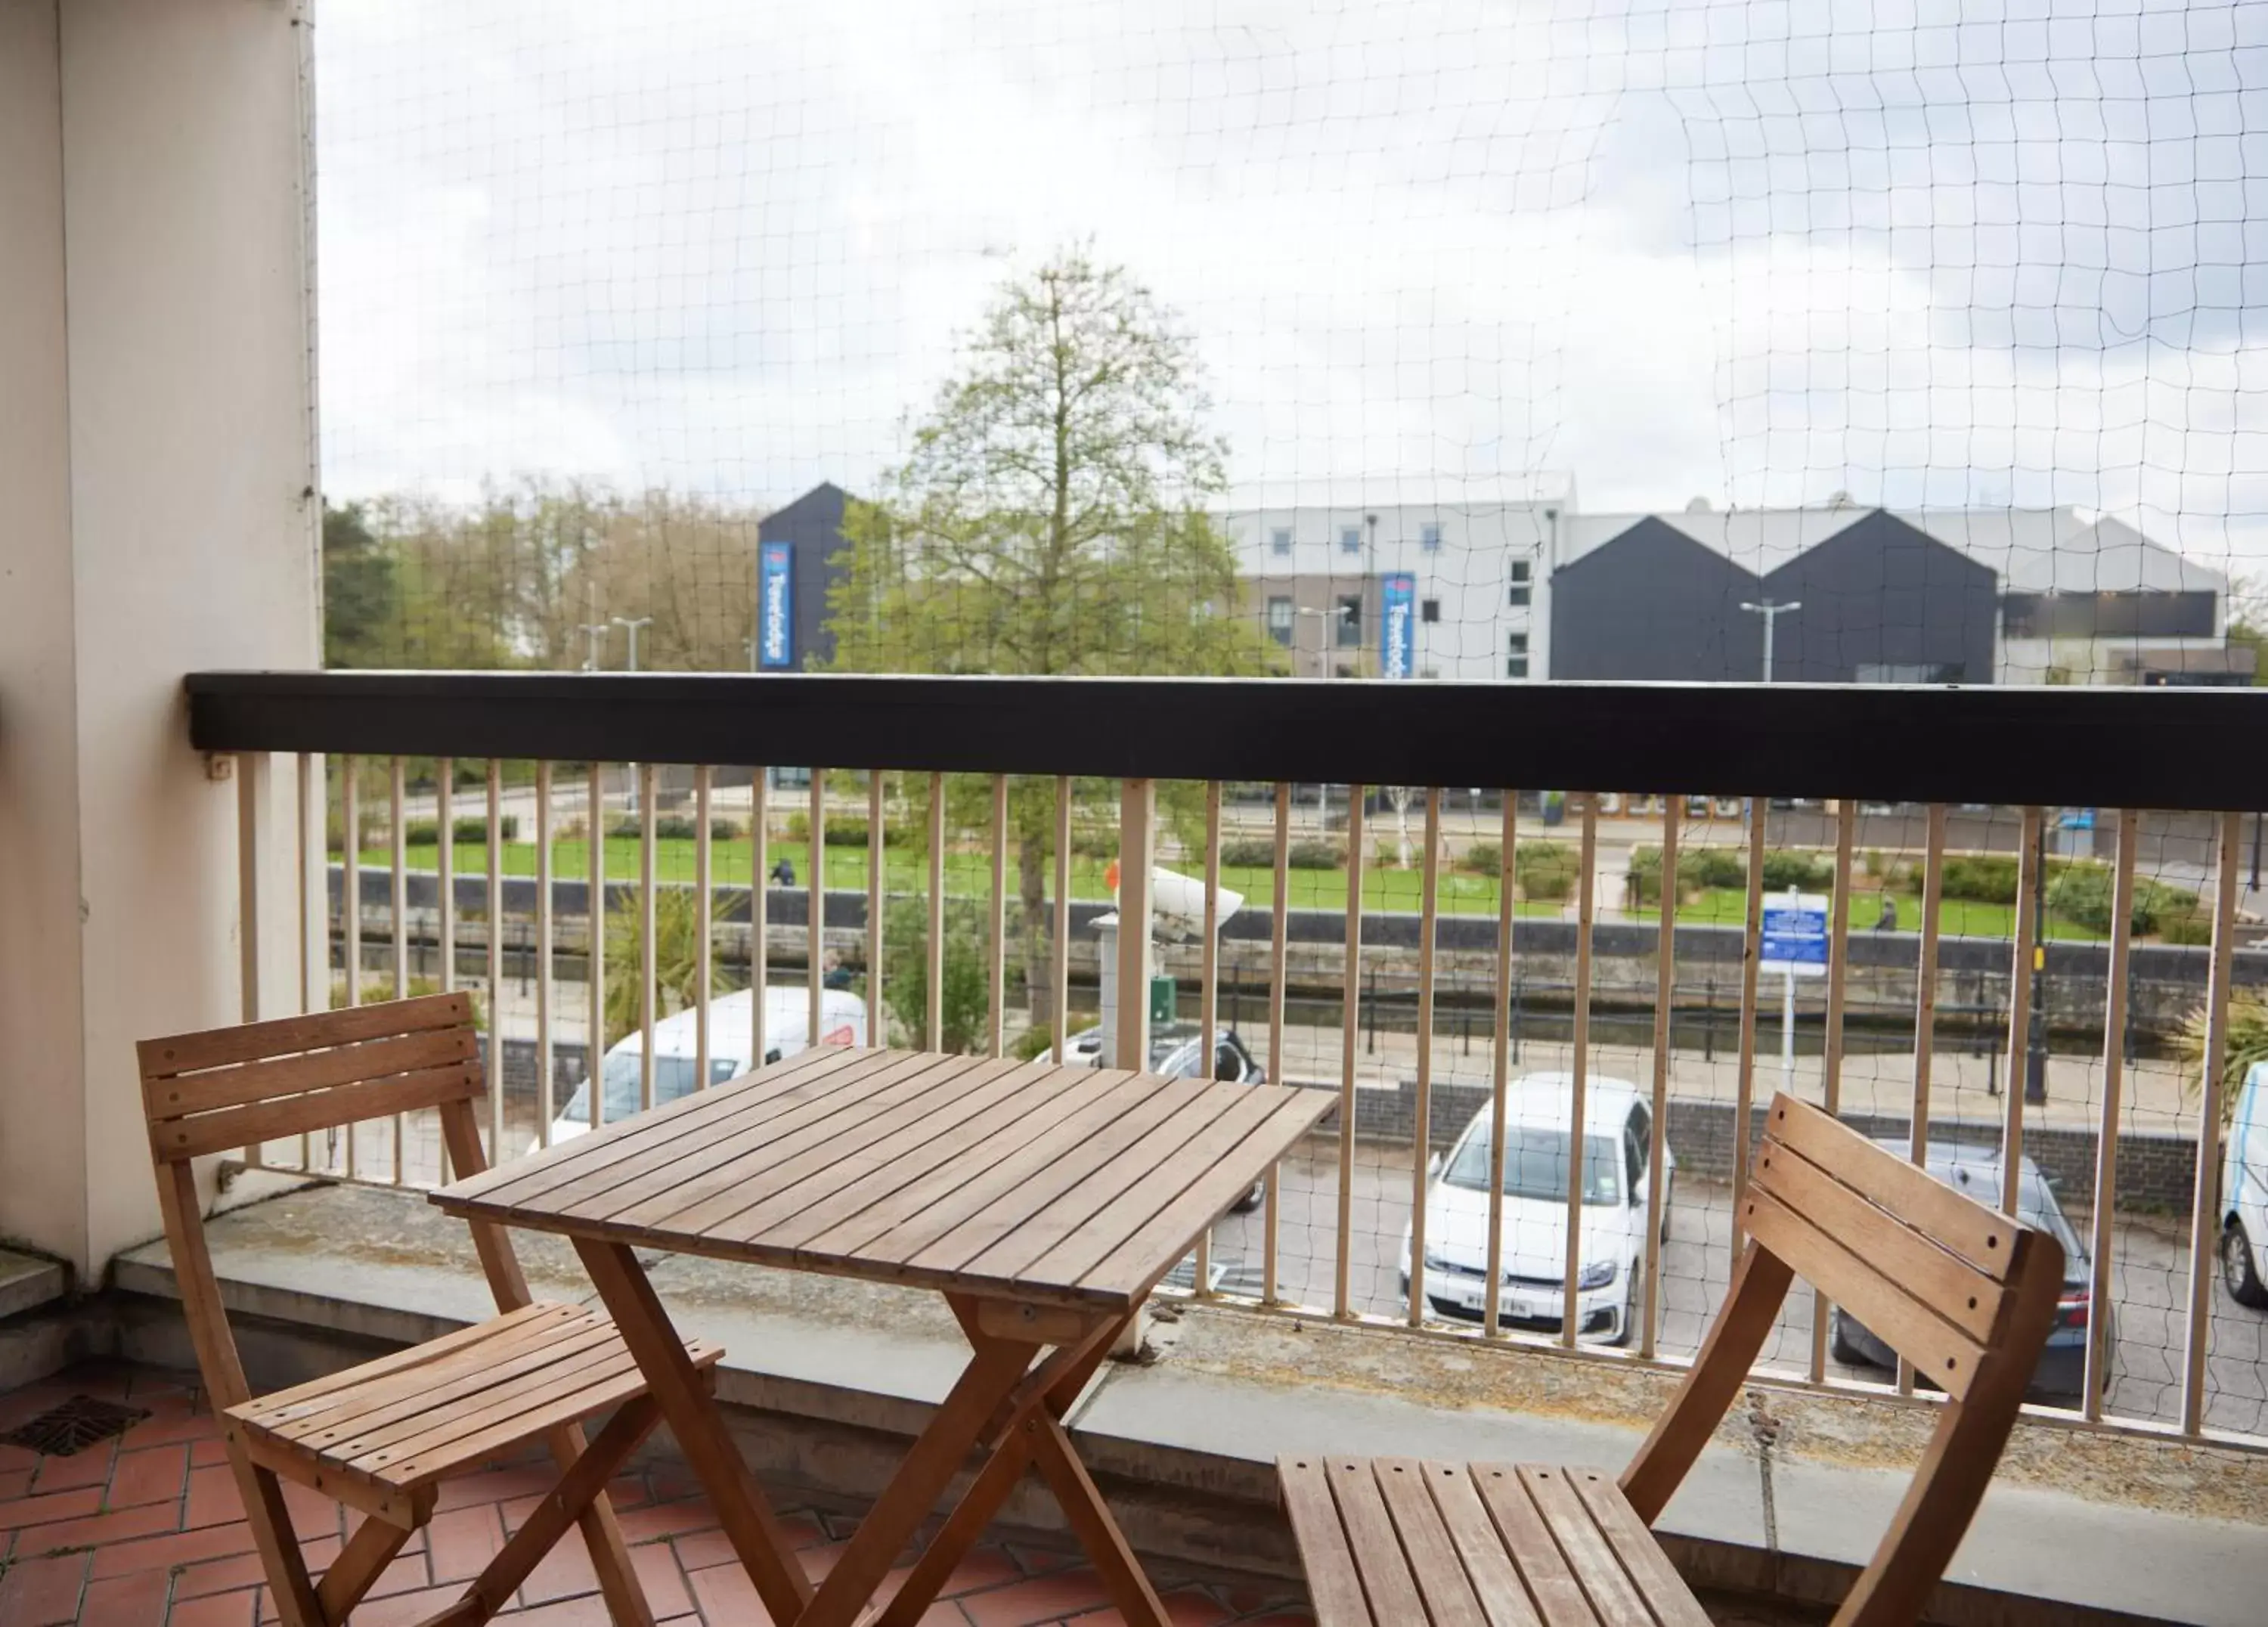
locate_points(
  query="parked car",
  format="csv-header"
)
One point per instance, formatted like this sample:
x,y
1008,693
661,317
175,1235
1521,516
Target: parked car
x,y
1539,1112
1179,1052
1975,1171
2244,1195
787,1030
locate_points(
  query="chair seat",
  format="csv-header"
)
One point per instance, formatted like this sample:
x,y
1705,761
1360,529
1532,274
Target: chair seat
x,y
1397,1542
400,1423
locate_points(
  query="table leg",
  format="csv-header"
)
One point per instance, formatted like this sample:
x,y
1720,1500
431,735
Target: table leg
x,y
1021,1439
693,1417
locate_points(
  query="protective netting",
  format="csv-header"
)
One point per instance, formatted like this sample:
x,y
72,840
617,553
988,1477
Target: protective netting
x,y
1710,341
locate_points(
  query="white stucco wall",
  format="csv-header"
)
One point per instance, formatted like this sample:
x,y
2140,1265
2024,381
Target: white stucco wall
x,y
178,419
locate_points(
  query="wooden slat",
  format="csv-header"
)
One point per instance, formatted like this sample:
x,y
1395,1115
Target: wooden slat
x,y
1137,1264
283,1037
661,1134
1002,1111
1948,1284
1334,1586
1421,1140
2206,1196
2096,1383
1571,1316
1370,1536
1933,893
958,1247
595,949
362,1391
1559,1597
1588,1555
1500,1063
1665,994
1941,1352
1745,1073
935,1209
991,1093
1426,1543
322,1069
1350,1037
2028,880
1059,951
1649,1569
1488,1568
366,1419
237,1127
760,911
761,1162
1279,920
280,1402
1958,1223
1071,1237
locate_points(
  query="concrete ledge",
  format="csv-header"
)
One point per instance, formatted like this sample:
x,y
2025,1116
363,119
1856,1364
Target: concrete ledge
x,y
825,1381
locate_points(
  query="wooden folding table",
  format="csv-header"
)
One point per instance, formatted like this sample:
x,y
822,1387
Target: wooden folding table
x,y
1044,1203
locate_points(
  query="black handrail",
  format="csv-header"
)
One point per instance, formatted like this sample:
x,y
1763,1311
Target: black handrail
x,y
2058,746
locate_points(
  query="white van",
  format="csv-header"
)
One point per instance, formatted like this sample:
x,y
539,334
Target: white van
x,y
2244,1195
787,1020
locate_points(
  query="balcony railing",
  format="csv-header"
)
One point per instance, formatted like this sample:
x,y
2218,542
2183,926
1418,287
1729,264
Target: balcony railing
x,y
2155,1344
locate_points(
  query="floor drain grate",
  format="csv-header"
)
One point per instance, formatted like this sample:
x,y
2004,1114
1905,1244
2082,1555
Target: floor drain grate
x,y
73,1426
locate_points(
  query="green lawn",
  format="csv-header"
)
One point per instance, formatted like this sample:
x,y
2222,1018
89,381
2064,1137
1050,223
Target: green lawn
x,y
968,874
1727,906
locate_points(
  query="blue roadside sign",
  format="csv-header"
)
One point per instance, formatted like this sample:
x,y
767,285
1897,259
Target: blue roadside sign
x,y
775,606
1795,934
1398,627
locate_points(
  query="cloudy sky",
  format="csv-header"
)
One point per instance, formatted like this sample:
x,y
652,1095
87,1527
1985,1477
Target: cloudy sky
x,y
1952,252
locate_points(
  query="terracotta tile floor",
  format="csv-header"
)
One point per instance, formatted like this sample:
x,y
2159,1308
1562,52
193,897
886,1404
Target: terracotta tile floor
x,y
146,1529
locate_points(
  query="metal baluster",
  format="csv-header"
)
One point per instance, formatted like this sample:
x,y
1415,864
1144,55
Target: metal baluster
x,y
815,931
1351,1038
1586,911
1744,1089
934,969
1421,1116
760,915
398,901
2205,1230
1278,946
877,896
2097,1383
496,963
1932,897
444,863
350,900
1061,968
2019,1009
704,948
1838,962
595,1047
544,1105
1665,992
1209,992
996,925
1501,1068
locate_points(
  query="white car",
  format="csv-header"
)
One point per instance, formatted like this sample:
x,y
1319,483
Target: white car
x,y
2244,1195
787,1030
1539,1110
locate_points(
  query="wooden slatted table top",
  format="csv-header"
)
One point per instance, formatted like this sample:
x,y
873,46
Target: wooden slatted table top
x,y
983,1176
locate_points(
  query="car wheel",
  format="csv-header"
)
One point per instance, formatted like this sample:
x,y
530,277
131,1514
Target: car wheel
x,y
1628,1331
2240,1268
1839,1342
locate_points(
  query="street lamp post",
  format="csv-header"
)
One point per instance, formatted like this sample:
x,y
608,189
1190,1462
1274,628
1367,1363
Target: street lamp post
x,y
1771,613
633,623
596,632
1323,663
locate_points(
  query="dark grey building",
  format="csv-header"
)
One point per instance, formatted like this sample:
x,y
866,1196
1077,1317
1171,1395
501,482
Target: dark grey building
x,y
1651,603
1883,602
811,528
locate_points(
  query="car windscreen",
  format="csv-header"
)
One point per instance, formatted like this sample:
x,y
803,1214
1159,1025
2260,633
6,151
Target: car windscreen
x,y
1535,1166
672,1076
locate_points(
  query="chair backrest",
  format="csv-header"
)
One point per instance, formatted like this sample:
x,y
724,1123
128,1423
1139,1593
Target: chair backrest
x,y
239,1086
1965,1293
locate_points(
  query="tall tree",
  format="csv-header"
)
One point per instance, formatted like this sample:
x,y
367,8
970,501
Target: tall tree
x,y
362,594
1050,521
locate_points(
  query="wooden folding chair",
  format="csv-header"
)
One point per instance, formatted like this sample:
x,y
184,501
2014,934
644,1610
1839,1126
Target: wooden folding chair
x,y
381,1437
1964,1292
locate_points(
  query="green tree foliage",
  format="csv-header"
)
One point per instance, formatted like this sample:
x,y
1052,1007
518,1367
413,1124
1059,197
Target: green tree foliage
x,y
1050,521
905,978
362,596
677,921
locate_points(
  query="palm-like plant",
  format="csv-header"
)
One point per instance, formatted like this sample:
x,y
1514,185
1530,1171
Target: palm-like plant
x,y
2247,1043
678,922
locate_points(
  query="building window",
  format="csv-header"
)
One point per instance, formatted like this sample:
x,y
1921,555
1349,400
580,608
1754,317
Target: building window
x,y
1279,619
1279,541
1515,655
1350,538
1429,609
1429,538
1350,621
1518,596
